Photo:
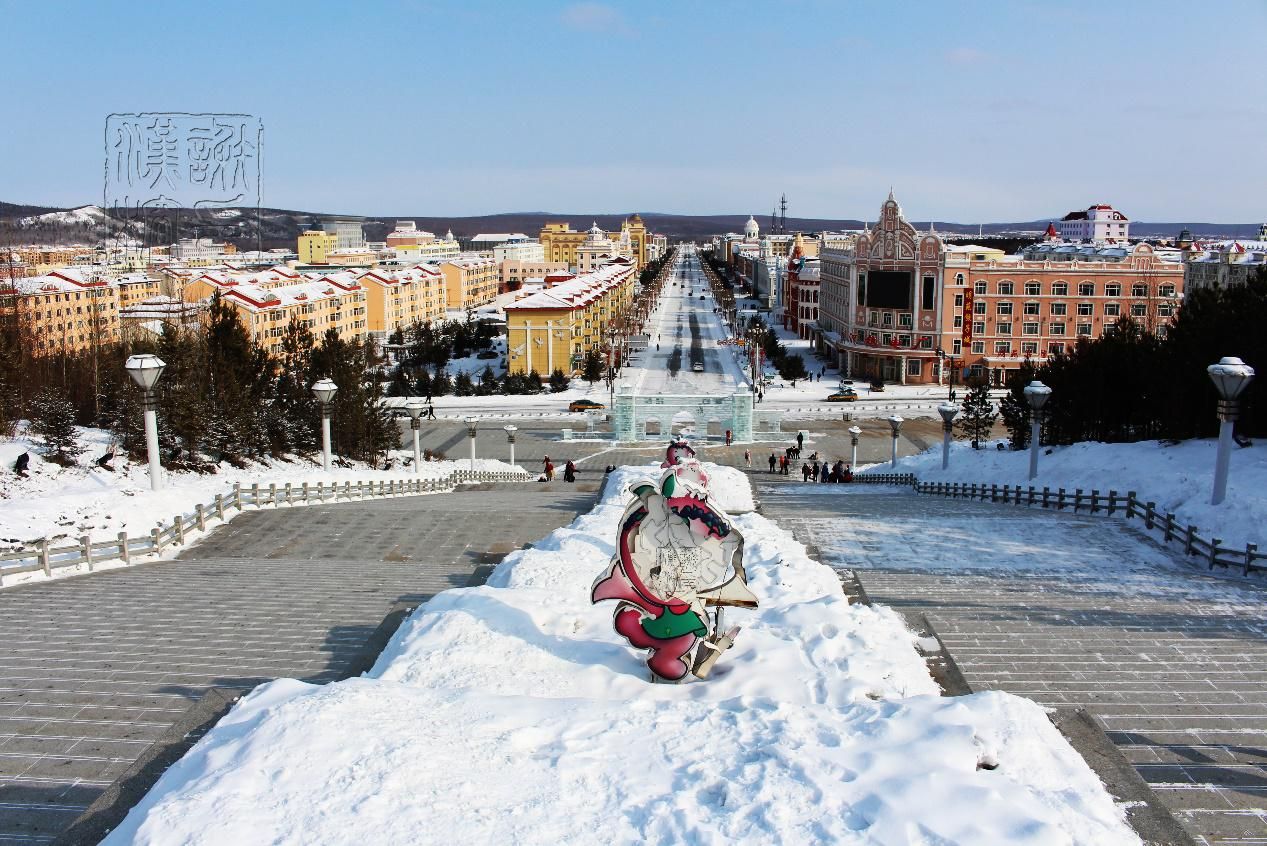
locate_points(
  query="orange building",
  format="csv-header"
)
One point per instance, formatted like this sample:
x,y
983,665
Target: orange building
x,y
64,311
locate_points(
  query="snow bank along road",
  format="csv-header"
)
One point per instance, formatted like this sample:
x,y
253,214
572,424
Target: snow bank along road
x,y
511,712
1074,611
94,669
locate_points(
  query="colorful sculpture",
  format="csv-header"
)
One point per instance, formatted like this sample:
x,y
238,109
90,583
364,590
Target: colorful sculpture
x,y
677,556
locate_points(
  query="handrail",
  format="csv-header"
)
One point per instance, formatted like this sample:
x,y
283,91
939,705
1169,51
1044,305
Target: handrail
x,y
48,558
1109,504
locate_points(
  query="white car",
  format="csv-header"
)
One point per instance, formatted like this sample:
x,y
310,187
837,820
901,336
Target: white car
x,y
697,367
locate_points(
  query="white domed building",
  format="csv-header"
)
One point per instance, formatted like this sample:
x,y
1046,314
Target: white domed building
x,y
595,251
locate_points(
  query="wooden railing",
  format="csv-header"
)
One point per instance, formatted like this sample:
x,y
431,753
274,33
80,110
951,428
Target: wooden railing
x,y
48,558
1111,504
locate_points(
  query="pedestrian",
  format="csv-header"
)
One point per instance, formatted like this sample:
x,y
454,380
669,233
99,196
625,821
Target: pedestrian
x,y
804,472
727,437
431,412
773,461
747,459
787,467
824,475
848,474
800,440
569,471
760,396
815,470
549,470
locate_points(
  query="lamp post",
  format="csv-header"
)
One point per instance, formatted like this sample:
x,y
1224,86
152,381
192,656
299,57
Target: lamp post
x,y
470,433
1231,377
895,425
145,370
510,438
1037,394
854,432
947,410
324,390
415,408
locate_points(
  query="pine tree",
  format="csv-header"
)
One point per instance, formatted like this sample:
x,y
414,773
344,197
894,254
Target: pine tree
x,y
1015,407
440,384
361,427
297,420
532,383
53,419
559,381
592,368
978,413
489,384
462,385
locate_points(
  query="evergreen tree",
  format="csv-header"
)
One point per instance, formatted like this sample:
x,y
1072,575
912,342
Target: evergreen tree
x,y
399,385
559,381
361,426
239,382
422,385
440,384
1015,407
297,420
792,367
489,384
978,413
532,383
463,386
592,368
53,419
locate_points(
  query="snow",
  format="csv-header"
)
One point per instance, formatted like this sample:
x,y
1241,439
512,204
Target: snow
x,y
1178,477
65,503
512,713
81,215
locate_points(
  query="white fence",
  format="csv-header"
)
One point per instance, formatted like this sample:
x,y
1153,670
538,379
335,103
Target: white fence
x,y
48,558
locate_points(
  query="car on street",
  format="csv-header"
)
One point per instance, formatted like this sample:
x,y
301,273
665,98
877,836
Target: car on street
x,y
584,405
697,367
844,395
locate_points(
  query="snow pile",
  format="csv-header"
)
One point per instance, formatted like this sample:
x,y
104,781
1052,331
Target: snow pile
x,y
63,503
1178,477
513,713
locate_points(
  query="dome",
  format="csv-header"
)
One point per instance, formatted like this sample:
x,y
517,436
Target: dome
x,y
750,229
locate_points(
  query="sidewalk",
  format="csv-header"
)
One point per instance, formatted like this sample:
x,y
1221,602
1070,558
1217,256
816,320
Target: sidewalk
x,y
1074,611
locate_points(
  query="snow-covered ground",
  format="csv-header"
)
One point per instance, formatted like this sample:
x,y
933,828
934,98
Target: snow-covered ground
x,y
1178,477
61,503
512,713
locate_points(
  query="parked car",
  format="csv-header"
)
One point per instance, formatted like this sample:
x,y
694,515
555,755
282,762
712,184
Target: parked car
x,y
844,395
697,367
584,405
487,354
877,386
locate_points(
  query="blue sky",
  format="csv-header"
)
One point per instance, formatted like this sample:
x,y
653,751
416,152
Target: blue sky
x,y
971,111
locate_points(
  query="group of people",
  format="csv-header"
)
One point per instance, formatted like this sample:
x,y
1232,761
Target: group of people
x,y
547,470
823,472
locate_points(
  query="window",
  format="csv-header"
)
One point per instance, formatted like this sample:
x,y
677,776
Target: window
x,y
959,297
1002,347
1112,289
958,321
1112,309
1059,308
978,307
1056,329
926,301
1165,310
886,339
1085,309
1166,290
1060,289
1139,290
926,341
1031,308
979,287
913,367
1084,329
873,319
904,320
1086,289
978,347
1139,310
978,328
1057,348
1003,328
958,278
1029,328
1003,308
956,347
1005,288
1029,348
1033,289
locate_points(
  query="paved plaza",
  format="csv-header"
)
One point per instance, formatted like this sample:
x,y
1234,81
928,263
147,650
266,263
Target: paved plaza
x,y
96,668
1074,611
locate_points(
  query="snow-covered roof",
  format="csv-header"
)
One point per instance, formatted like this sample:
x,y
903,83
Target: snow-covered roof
x,y
255,298
578,292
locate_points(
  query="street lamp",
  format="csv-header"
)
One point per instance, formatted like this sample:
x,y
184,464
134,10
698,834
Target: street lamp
x,y
1037,394
854,432
470,433
145,370
947,410
510,437
324,390
1231,377
415,407
895,424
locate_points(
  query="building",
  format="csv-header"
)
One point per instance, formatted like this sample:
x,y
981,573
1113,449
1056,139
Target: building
x,y
1098,223
65,311
399,298
514,272
407,233
315,245
137,287
490,241
553,329
149,318
335,301
470,280
595,251
518,248
1222,264
348,234
904,307
560,242
801,292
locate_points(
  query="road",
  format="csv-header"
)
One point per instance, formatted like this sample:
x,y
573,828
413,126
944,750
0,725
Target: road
x,y
685,329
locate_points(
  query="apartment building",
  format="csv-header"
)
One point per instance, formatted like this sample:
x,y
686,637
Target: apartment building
x,y
322,304
514,272
554,328
1100,222
399,298
315,245
471,281
65,311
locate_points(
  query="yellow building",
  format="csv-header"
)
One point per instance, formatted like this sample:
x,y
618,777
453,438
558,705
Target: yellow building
x,y
470,281
638,240
399,298
560,241
315,246
136,288
323,304
64,311
554,329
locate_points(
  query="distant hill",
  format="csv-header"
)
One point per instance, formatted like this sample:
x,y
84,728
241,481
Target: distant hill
x,y
248,228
